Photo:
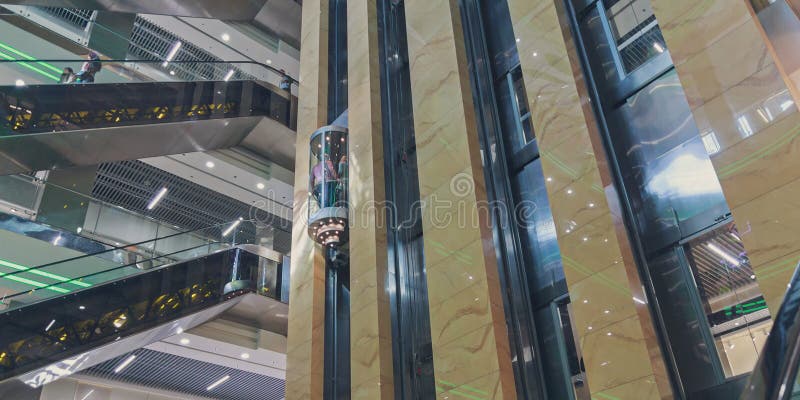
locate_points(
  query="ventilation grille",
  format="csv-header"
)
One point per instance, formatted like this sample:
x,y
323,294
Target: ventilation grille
x,y
152,42
73,16
131,185
164,371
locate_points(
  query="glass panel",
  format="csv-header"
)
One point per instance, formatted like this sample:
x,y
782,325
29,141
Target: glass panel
x,y
683,321
25,284
731,298
62,327
42,108
520,94
665,165
328,166
538,235
19,190
512,102
636,33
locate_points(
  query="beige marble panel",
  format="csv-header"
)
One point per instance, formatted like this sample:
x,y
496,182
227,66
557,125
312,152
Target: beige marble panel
x,y
771,234
640,389
726,114
698,24
601,300
737,92
469,338
704,77
598,263
486,387
305,340
761,164
370,324
615,355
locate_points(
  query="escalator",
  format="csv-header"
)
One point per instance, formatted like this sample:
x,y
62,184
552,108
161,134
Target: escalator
x,y
48,126
69,320
777,373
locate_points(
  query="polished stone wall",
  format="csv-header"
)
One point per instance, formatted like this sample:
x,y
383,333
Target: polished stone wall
x,y
468,328
611,317
737,94
305,340
370,314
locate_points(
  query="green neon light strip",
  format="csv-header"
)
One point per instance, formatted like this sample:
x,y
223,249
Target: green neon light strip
x,y
42,273
34,283
29,57
467,387
29,66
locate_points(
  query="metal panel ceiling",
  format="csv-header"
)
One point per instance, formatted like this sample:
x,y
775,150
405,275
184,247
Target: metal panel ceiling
x,y
165,371
131,185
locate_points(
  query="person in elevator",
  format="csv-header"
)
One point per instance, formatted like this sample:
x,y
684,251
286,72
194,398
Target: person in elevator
x,y
91,67
286,82
341,188
325,180
68,76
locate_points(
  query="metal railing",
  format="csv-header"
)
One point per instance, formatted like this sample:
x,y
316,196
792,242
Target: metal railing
x,y
52,279
149,42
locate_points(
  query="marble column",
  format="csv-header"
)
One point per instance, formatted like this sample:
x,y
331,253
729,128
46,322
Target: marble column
x,y
305,340
468,329
741,103
370,314
620,350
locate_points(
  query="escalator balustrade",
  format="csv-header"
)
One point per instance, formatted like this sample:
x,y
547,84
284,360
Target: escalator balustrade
x,y
62,329
55,108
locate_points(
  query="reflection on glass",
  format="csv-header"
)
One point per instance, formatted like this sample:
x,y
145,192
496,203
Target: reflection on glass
x,y
734,305
521,102
636,33
329,169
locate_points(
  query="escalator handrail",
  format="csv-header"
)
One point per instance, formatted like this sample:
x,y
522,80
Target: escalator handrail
x,y
131,43
114,269
121,247
143,61
89,198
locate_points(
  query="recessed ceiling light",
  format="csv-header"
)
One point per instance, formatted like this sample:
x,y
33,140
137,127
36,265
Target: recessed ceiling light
x,y
269,61
19,82
245,356
125,364
210,164
219,382
226,37
173,51
154,201
82,308
232,227
260,185
172,72
185,341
